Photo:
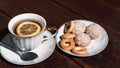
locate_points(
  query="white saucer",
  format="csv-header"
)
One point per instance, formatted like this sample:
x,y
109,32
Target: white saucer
x,y
95,47
43,51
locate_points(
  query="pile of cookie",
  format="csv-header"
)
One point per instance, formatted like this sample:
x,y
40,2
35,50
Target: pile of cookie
x,y
77,36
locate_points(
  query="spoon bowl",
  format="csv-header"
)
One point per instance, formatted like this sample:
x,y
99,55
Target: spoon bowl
x,y
27,56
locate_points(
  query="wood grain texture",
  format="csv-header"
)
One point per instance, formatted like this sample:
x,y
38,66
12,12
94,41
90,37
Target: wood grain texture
x,y
57,12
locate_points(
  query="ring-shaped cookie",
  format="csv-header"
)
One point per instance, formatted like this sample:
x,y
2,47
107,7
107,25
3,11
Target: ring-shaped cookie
x,y
79,50
67,44
69,27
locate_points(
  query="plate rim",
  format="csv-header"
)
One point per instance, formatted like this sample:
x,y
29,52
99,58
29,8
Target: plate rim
x,y
65,51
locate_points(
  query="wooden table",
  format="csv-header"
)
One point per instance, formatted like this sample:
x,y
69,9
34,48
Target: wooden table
x,y
56,12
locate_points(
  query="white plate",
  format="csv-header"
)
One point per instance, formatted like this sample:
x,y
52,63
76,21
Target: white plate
x,y
95,47
44,50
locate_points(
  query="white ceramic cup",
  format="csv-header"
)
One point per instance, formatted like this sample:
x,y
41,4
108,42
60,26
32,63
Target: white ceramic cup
x,y
26,43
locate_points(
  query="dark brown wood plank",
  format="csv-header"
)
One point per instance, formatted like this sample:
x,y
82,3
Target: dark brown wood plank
x,y
99,11
44,8
3,21
57,61
106,13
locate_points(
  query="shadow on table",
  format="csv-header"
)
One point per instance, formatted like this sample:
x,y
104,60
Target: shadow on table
x,y
3,33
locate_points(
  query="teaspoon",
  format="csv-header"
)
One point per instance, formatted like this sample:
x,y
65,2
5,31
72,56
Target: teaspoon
x,y
25,56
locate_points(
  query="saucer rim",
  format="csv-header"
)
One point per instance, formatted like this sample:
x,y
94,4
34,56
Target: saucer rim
x,y
29,62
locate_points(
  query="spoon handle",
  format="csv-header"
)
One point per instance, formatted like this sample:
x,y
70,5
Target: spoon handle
x,y
8,47
45,39
51,29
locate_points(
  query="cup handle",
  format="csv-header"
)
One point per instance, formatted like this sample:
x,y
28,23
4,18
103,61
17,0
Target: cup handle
x,y
53,30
